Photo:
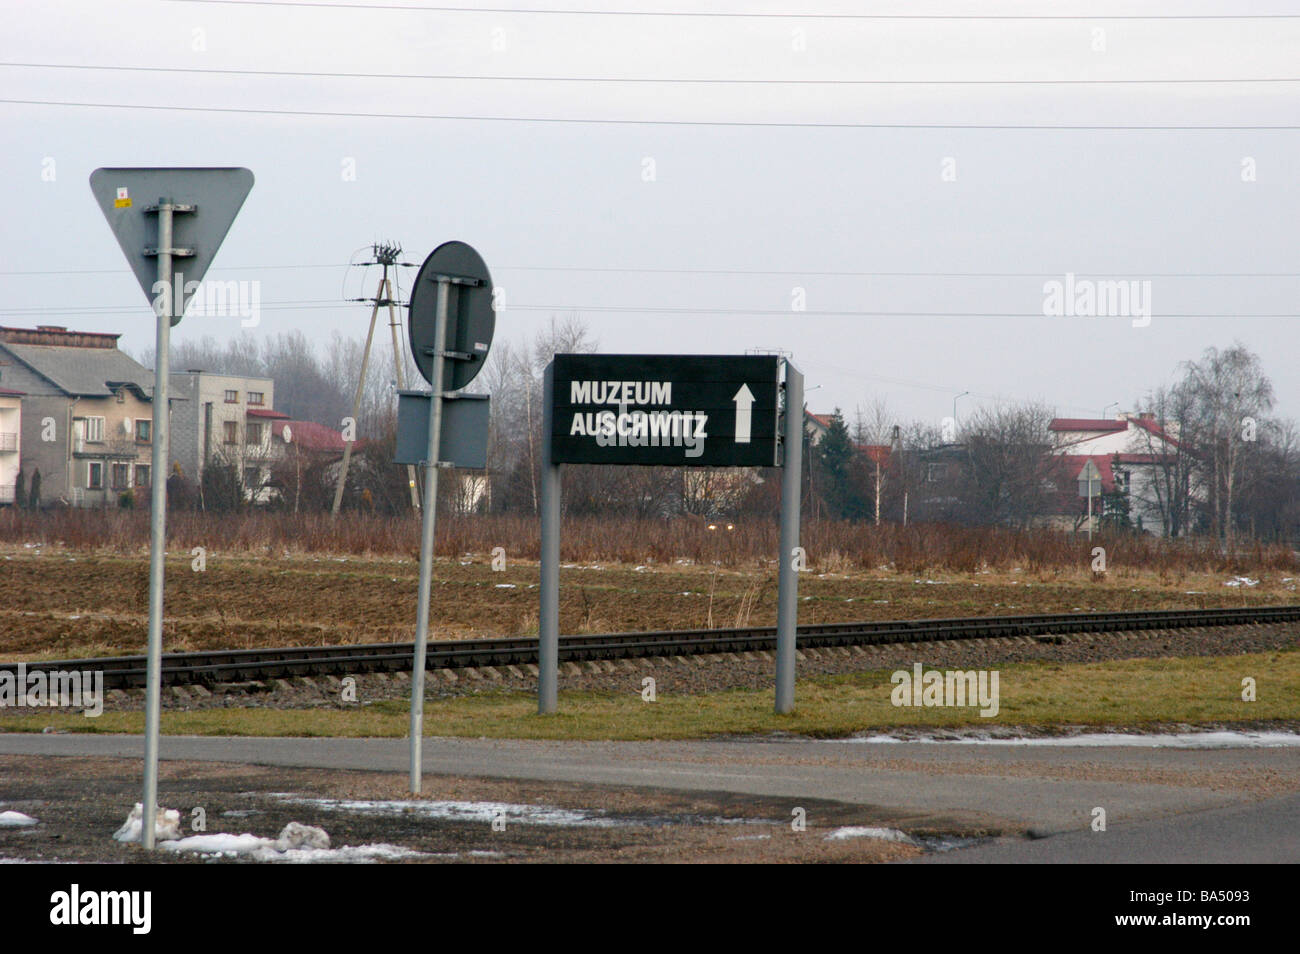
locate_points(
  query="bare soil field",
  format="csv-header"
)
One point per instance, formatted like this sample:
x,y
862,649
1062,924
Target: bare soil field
x,y
60,603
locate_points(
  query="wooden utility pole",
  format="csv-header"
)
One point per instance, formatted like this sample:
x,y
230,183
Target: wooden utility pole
x,y
386,257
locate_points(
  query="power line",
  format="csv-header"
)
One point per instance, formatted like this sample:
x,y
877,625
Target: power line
x,y
666,310
642,270
668,80
734,123
720,15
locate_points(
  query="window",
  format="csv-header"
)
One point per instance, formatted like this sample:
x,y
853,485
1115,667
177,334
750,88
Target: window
x,y
95,429
253,435
142,475
95,475
144,430
255,397
934,473
230,431
121,476
232,397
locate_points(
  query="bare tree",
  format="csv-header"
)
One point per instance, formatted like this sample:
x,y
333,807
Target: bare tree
x,y
1009,467
1230,397
874,428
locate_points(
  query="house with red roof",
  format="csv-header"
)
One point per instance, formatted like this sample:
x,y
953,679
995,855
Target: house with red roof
x,y
1129,454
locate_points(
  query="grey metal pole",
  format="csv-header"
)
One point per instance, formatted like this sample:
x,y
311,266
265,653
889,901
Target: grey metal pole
x,y
787,587
1090,508
548,615
401,375
426,538
157,522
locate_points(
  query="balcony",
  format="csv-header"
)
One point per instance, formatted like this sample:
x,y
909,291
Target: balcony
x,y
8,442
119,449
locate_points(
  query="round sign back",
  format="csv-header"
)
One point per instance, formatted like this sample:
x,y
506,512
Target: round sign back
x,y
471,320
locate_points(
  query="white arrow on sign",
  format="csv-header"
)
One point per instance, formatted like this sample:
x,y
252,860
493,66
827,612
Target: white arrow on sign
x,y
744,403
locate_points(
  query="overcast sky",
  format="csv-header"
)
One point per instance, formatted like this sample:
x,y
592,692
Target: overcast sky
x,y
696,217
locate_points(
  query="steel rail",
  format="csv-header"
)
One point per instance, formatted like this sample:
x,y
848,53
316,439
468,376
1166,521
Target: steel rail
x,y
209,667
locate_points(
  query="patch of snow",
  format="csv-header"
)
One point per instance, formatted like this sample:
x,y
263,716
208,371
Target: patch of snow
x,y
860,831
506,586
297,844
1241,581
16,820
167,825
483,812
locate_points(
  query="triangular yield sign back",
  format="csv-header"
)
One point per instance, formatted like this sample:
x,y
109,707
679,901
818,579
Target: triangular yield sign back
x,y
128,196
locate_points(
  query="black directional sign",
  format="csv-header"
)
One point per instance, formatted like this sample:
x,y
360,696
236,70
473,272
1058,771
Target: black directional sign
x,y
676,410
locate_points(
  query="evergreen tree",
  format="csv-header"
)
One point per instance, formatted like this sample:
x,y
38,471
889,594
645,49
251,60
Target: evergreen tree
x,y
834,456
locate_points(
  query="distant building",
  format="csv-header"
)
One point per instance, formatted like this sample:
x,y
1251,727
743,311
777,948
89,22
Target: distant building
x,y
1129,453
87,413
11,426
224,418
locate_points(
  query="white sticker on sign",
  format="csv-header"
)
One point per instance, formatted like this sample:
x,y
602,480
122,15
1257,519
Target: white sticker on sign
x,y
480,346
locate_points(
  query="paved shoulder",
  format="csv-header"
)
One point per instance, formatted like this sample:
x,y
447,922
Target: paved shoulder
x,y
1260,833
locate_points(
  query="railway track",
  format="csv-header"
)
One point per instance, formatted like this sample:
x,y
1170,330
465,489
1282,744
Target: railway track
x,y
242,665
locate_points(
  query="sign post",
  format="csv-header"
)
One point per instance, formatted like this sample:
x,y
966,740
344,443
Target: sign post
x,y
450,336
1087,477
212,198
548,610
670,410
787,580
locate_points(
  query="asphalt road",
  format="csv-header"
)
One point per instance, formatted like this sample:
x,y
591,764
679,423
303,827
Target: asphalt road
x,y
1162,804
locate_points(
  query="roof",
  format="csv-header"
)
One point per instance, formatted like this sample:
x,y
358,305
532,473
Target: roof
x,y
266,412
83,372
311,436
876,453
1149,425
1086,424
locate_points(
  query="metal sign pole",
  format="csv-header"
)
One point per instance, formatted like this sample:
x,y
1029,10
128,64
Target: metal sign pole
x,y
157,521
426,536
548,616
1089,507
401,377
787,607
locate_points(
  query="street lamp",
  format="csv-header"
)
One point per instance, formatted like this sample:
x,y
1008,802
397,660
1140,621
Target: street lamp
x,y
954,411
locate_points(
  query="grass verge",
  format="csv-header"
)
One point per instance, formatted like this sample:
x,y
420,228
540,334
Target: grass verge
x,y
1200,689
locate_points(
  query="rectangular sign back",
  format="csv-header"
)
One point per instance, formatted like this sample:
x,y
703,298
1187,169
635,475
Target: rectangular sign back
x,y
667,410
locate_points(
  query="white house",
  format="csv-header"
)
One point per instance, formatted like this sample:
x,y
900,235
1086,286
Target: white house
x,y
11,427
1129,453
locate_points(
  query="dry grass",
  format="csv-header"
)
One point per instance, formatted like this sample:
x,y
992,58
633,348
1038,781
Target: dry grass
x,y
1135,692
831,546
